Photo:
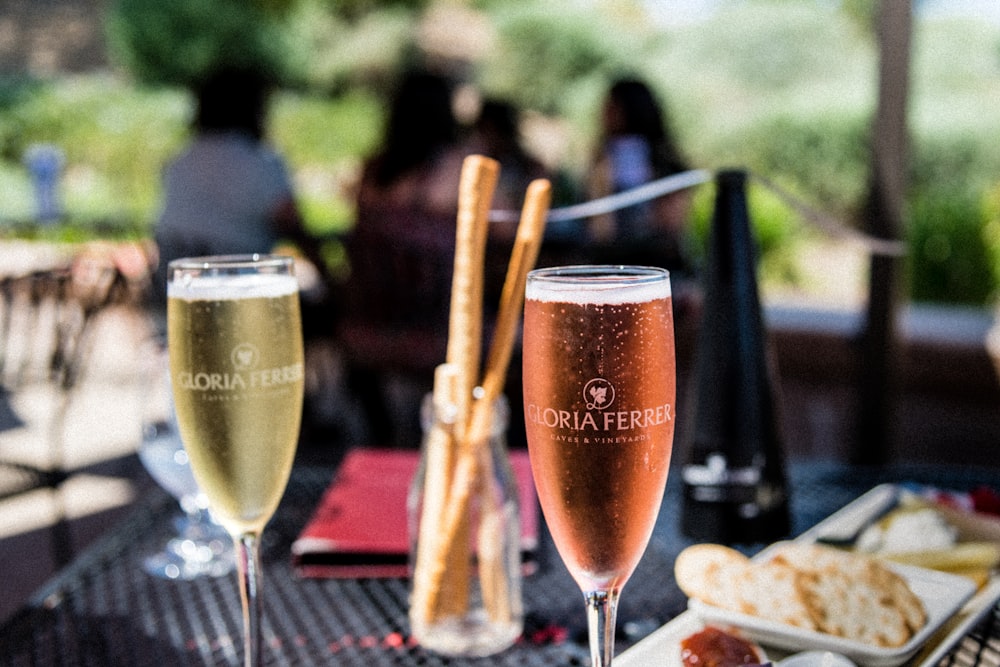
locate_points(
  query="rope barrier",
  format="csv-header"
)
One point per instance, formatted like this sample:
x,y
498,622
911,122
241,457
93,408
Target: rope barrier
x,y
688,179
619,200
832,225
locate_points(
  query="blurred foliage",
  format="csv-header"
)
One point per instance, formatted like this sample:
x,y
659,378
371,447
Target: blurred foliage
x,y
952,251
991,234
345,52
325,138
113,138
948,256
354,10
175,42
823,158
544,54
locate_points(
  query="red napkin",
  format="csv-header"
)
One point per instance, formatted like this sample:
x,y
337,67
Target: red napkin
x,y
359,528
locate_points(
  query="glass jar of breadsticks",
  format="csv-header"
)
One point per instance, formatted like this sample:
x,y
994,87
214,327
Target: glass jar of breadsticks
x,y
465,536
465,523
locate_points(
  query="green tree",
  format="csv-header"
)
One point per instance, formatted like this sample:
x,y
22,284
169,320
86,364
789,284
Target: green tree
x,y
174,42
543,55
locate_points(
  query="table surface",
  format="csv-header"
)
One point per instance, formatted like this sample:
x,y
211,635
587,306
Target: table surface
x,y
104,610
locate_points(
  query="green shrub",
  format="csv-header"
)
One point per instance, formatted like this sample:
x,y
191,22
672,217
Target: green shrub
x,y
18,199
323,140
114,137
543,55
948,259
338,54
991,233
824,158
176,42
952,246
317,129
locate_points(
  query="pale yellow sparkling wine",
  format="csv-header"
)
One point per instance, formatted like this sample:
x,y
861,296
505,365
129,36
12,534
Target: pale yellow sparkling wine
x,y
236,364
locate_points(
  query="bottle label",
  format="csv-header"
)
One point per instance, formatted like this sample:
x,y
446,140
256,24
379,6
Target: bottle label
x,y
715,482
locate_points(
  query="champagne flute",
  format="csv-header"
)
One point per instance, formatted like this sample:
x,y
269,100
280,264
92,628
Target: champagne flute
x,y
236,363
201,547
599,395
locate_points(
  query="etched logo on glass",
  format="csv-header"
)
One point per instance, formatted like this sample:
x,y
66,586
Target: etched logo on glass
x,y
599,394
245,356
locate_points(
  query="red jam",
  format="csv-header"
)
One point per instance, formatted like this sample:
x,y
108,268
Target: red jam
x,y
713,647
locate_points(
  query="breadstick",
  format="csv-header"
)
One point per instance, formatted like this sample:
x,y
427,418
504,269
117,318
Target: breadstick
x,y
474,461
438,465
465,327
475,192
523,257
525,253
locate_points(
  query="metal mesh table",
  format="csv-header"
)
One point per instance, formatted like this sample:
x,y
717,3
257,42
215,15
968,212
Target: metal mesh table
x,y
981,646
103,610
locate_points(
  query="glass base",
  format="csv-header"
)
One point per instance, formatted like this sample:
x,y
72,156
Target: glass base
x,y
201,549
469,636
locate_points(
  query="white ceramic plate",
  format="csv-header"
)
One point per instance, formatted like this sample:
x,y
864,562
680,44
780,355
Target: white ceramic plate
x,y
662,647
942,594
959,626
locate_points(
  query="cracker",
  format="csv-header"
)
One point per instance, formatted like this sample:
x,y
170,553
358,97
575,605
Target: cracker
x,y
809,586
696,568
725,578
905,599
855,609
848,585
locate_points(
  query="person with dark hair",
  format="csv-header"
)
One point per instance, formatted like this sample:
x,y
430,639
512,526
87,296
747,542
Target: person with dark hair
x,y
418,165
228,192
497,134
400,253
635,147
232,100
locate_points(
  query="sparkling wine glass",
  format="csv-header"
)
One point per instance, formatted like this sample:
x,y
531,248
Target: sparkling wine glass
x,y
234,333
200,546
599,396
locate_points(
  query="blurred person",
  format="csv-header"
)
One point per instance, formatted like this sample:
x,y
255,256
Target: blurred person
x,y
636,147
395,300
418,166
228,191
497,134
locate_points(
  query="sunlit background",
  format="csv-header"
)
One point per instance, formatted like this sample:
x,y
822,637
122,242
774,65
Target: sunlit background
x,y
784,88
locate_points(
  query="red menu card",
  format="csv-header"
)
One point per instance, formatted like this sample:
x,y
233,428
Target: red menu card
x,y
359,528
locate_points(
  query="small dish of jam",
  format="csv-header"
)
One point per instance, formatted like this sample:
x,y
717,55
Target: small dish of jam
x,y
718,647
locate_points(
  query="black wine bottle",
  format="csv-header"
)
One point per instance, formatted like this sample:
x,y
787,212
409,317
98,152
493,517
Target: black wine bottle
x,y
735,488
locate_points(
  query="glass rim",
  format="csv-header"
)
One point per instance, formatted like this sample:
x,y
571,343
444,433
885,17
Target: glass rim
x,y
230,262
616,274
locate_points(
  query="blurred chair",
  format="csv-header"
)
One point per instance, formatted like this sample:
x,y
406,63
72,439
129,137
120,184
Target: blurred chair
x,y
46,323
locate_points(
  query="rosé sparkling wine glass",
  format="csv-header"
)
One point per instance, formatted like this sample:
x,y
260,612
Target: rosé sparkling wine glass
x,y
234,333
599,396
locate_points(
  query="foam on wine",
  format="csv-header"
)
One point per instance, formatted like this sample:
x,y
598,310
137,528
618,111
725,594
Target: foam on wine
x,y
601,293
218,288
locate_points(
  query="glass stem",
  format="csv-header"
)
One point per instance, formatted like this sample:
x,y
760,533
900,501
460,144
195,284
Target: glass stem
x,y
602,611
248,565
